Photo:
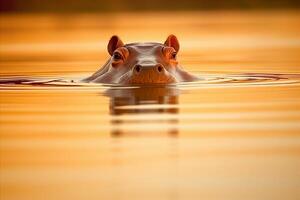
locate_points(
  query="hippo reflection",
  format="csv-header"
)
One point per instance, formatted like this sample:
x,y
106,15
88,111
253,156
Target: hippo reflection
x,y
142,63
137,105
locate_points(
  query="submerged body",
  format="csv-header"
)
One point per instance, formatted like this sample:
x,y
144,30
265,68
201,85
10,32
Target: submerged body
x,y
142,63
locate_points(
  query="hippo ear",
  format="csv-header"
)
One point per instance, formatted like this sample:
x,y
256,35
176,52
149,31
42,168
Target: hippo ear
x,y
114,43
172,42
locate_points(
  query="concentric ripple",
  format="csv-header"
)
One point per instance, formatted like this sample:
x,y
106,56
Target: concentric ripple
x,y
206,80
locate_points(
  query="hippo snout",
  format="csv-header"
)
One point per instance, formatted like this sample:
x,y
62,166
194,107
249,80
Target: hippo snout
x,y
146,69
148,73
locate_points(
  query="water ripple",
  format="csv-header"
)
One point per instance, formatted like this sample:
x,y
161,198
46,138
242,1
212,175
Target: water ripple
x,y
206,80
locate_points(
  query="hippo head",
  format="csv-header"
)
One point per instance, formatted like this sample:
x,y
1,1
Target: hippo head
x,y
142,63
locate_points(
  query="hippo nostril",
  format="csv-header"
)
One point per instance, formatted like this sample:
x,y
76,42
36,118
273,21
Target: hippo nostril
x,y
137,68
159,68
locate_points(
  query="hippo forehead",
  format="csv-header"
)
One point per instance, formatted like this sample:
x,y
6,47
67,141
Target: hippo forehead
x,y
144,48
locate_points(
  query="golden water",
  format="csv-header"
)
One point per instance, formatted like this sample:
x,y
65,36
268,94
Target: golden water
x,y
232,135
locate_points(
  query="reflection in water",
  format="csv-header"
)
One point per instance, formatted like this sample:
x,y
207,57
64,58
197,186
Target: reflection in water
x,y
135,105
145,107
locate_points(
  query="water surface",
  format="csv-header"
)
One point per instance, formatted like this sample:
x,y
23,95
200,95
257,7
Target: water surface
x,y
232,135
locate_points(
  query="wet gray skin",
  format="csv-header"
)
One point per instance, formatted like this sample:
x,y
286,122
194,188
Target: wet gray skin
x,y
142,63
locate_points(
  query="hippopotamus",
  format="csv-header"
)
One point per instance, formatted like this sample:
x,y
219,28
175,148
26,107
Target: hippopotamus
x,y
142,63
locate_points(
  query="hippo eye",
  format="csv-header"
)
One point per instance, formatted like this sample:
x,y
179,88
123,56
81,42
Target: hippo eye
x,y
173,55
117,56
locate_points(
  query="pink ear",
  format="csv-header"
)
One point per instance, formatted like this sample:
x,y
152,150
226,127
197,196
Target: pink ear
x,y
172,42
114,43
